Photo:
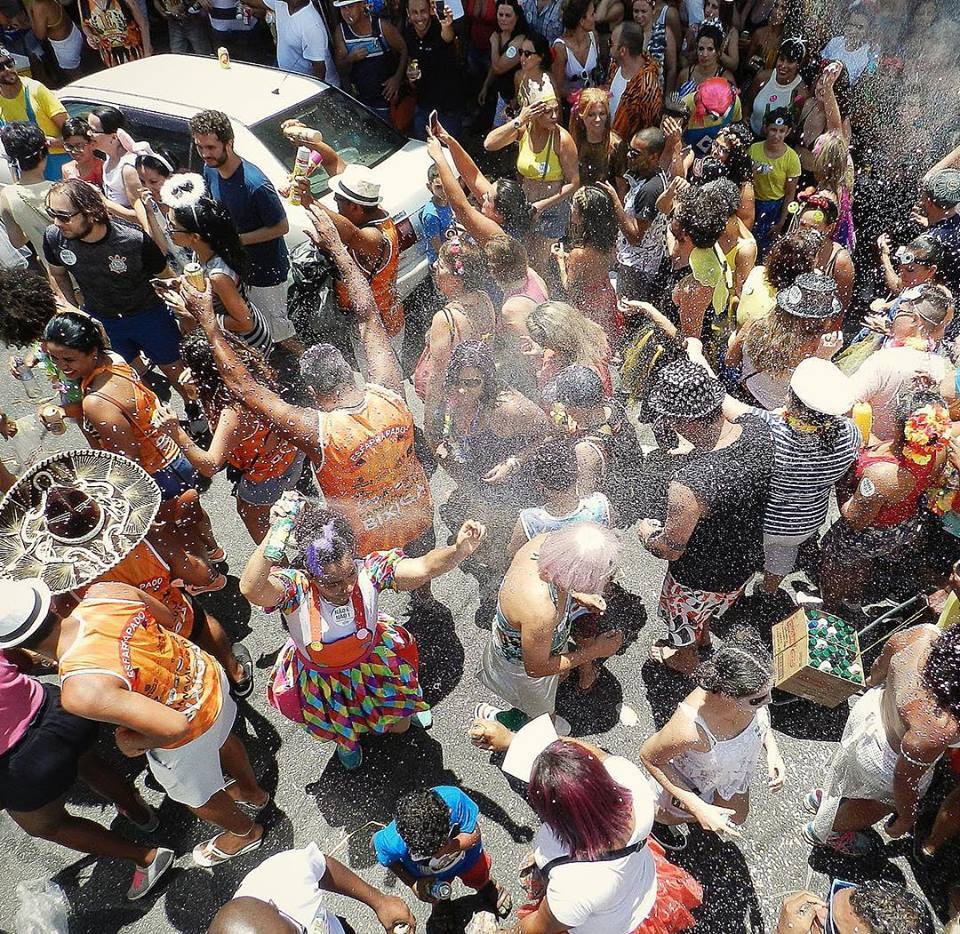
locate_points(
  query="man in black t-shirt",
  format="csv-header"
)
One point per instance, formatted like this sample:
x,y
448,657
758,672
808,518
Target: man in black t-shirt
x,y
112,264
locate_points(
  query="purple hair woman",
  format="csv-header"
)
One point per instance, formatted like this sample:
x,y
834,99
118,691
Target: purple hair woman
x,y
594,869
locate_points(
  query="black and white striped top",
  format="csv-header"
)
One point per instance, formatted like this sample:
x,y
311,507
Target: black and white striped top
x,y
804,472
259,337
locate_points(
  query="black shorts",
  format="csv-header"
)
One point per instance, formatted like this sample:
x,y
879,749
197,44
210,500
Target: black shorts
x,y
43,764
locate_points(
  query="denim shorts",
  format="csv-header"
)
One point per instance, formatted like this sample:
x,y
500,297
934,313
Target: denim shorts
x,y
153,331
176,478
553,222
267,492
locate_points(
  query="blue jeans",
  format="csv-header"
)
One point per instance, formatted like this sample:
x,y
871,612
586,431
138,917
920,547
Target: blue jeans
x,y
154,331
768,213
451,120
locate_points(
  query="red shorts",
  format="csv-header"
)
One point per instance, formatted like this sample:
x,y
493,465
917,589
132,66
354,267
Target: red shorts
x,y
478,875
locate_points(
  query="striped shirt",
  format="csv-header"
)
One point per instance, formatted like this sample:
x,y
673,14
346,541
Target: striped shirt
x,y
804,472
258,337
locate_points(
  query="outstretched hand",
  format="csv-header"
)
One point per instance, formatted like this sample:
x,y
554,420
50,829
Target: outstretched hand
x,y
469,537
324,233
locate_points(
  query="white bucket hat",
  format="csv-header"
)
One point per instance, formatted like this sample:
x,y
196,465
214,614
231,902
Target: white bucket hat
x,y
358,184
823,387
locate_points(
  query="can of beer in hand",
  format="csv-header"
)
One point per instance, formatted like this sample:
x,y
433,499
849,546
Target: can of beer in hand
x,y
193,273
413,70
52,418
223,56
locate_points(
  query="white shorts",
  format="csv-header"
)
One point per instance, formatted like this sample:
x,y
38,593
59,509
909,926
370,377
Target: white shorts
x,y
509,680
272,301
191,774
780,552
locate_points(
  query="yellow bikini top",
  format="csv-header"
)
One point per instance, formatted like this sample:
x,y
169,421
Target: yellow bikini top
x,y
543,166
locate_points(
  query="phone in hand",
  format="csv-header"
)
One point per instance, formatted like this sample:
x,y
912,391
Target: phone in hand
x,y
433,122
441,9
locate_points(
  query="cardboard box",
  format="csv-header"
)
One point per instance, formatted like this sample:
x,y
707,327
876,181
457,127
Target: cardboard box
x,y
793,673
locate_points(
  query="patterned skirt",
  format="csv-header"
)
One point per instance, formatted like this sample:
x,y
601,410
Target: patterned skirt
x,y
380,691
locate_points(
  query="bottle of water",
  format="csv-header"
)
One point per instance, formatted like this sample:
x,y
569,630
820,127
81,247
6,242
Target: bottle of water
x,y
27,378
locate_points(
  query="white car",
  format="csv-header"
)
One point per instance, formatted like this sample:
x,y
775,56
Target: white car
x,y
158,95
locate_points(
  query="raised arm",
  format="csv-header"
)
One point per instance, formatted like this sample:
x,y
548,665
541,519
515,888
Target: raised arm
x,y
413,573
301,135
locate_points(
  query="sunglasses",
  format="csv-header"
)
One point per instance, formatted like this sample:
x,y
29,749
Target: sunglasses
x,y
8,63
60,215
75,147
471,382
526,53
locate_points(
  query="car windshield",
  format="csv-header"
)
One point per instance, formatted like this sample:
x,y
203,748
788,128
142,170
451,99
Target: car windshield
x,y
352,130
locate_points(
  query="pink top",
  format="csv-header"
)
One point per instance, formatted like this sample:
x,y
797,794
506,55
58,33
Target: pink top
x,y
532,289
20,699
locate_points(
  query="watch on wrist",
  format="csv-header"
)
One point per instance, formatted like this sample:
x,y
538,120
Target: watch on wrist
x,y
517,124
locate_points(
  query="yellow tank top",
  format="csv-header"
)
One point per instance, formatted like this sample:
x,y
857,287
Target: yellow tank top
x,y
543,166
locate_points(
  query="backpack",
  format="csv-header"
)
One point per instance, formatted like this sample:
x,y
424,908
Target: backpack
x,y
311,302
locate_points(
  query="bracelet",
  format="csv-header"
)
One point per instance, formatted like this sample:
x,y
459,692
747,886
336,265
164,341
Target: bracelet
x,y
912,761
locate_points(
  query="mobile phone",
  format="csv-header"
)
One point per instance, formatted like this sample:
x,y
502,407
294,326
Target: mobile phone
x,y
441,9
433,122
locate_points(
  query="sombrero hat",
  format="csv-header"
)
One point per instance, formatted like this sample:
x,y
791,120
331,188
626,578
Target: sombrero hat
x,y
73,516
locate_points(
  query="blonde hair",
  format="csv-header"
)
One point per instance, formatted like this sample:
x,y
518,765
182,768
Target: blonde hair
x,y
588,97
569,333
831,153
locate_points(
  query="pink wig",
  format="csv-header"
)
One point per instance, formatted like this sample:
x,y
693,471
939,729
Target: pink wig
x,y
581,558
572,792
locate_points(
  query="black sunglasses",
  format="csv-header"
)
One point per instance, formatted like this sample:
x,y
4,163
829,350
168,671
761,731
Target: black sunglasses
x,y
471,382
8,63
526,53
60,215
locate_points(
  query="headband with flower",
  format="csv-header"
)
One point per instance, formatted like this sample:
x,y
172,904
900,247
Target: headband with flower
x,y
926,432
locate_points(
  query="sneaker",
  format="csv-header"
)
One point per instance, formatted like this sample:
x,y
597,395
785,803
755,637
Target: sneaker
x,y
146,877
483,711
350,760
668,836
849,842
811,802
424,718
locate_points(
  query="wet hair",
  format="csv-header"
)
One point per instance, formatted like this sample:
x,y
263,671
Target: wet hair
x,y
568,332
580,558
423,821
741,666
702,215
939,675
324,369
76,331
554,464
510,202
84,197
779,113
166,165
212,121
506,258
888,908
631,37
321,537
825,428
910,400
572,792
212,222
475,355
926,250
111,118
520,26
778,342
728,190
738,164
76,126
790,257
596,225
465,260
197,354
830,155
26,305
573,11
25,144
710,30
937,298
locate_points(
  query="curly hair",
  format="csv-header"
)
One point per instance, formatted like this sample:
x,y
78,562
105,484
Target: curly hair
x,y
741,666
84,197
26,305
212,121
423,821
939,673
702,216
321,536
738,162
478,355
888,908
25,144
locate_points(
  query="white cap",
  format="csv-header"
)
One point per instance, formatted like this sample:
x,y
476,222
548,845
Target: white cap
x,y
24,605
822,386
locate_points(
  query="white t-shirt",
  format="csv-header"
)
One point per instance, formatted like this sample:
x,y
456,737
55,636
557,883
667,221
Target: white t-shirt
x,y
302,39
881,376
606,896
291,882
617,87
230,24
856,61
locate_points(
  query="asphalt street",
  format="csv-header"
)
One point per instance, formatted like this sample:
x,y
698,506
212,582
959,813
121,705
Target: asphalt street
x,y
315,799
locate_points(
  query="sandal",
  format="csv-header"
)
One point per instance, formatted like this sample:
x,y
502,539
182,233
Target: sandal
x,y
249,805
500,899
218,583
243,688
208,854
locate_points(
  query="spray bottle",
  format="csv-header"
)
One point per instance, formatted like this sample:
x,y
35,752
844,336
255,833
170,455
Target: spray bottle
x,y
276,541
300,167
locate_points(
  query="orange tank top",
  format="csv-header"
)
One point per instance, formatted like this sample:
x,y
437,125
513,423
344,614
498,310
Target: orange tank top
x,y
371,474
121,638
383,277
144,569
155,450
250,457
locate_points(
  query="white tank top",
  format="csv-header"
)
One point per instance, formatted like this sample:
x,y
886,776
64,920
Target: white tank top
x,y
113,180
771,96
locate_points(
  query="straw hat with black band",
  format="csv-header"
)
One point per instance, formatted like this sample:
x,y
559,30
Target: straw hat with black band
x,y
73,516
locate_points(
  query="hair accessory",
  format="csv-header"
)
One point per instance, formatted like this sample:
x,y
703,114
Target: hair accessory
x,y
326,537
141,148
542,93
926,432
454,247
183,191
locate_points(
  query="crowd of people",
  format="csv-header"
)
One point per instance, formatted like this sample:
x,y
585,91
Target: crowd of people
x,y
692,278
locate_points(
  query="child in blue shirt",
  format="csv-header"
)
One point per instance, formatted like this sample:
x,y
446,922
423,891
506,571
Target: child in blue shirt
x,y
436,215
435,838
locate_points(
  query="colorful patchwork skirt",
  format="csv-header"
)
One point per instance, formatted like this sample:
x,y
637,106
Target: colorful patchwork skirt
x,y
341,706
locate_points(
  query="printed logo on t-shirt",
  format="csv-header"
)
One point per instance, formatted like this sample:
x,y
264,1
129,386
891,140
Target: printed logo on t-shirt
x,y
117,263
774,98
68,257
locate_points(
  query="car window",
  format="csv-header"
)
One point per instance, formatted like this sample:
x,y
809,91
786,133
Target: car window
x,y
347,126
172,133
